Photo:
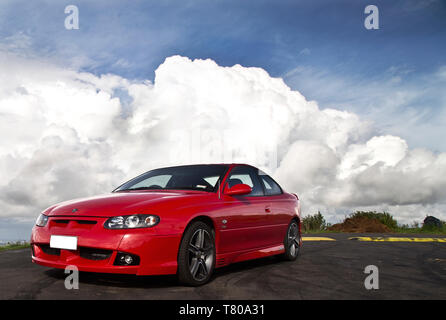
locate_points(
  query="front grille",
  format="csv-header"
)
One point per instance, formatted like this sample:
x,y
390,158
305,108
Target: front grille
x,y
61,221
48,250
86,222
94,254
66,221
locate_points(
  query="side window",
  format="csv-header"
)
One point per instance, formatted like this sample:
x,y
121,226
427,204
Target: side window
x,y
271,188
245,175
211,180
240,178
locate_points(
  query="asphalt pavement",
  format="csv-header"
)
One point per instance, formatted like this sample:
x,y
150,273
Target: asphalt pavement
x,y
324,270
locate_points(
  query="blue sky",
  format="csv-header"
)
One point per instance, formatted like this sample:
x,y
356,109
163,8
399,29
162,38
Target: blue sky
x,y
320,48
267,34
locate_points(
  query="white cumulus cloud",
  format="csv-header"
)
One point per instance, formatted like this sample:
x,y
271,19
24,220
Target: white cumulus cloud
x,y
68,134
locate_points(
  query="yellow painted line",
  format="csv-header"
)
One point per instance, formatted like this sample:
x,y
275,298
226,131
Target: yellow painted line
x,y
398,239
317,239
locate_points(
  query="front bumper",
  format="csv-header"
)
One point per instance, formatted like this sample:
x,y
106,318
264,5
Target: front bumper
x,y
98,247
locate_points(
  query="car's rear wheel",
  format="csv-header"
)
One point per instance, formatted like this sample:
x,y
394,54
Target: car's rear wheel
x,y
196,257
292,241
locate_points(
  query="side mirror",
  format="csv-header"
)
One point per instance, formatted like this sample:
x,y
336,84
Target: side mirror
x,y
238,190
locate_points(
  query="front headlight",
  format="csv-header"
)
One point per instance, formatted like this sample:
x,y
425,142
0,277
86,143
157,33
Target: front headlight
x,y
41,220
132,222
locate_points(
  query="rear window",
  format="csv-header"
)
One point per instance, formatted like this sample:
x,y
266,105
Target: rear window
x,y
271,187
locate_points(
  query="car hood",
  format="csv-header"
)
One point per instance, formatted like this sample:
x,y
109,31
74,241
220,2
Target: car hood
x,y
117,203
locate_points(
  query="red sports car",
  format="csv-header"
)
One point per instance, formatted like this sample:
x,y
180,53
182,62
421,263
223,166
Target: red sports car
x,y
184,220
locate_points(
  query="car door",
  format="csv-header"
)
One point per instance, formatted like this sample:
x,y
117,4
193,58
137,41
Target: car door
x,y
279,216
246,216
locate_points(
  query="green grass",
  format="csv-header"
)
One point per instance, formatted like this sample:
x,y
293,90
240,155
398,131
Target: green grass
x,y
14,246
424,230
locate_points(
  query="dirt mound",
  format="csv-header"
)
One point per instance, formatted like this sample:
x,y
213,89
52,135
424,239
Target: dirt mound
x,y
360,224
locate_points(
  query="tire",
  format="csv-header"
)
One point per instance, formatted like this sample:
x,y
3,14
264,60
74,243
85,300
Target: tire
x,y
196,256
292,242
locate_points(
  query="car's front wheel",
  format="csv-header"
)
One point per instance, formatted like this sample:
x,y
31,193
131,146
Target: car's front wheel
x,y
292,241
196,257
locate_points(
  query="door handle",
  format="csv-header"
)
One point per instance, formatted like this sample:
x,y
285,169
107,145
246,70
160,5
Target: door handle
x,y
268,209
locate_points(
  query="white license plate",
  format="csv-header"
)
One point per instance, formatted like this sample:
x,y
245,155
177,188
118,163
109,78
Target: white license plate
x,y
63,242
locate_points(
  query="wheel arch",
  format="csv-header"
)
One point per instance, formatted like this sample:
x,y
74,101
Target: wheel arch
x,y
203,218
206,219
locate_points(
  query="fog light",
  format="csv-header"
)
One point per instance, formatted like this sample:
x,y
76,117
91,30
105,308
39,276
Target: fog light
x,y
126,259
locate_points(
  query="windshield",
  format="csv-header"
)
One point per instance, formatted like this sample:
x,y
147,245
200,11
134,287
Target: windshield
x,y
195,177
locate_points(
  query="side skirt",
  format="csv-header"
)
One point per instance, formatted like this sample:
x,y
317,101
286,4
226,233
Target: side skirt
x,y
238,256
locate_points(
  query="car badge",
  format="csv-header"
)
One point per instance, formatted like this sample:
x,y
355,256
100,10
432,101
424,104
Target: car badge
x,y
74,210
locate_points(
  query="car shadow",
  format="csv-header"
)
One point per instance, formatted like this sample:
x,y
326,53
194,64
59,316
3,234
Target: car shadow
x,y
248,265
161,281
118,280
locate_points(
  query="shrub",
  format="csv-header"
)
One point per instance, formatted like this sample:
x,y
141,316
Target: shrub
x,y
314,222
432,224
383,217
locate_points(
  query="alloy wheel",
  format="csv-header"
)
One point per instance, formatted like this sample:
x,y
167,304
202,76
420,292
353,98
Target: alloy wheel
x,y
201,254
293,239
